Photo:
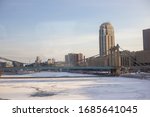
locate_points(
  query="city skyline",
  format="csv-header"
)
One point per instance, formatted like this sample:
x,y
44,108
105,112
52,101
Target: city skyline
x,y
52,28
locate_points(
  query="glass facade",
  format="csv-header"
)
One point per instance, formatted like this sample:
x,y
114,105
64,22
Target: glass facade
x,y
106,38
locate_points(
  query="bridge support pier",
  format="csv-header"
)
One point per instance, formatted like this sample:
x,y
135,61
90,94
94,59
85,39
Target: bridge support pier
x,y
116,72
115,60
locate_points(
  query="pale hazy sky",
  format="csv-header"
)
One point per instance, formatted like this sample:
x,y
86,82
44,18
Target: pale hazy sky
x,y
53,28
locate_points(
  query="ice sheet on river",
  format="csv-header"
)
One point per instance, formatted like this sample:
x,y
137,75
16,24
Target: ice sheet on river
x,y
75,88
49,74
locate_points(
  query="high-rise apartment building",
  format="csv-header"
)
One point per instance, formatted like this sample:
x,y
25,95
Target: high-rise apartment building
x,y
106,38
74,59
146,39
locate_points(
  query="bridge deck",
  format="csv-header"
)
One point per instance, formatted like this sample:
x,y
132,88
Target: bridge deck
x,y
61,68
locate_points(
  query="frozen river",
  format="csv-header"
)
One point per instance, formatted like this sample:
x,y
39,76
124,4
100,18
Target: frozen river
x,y
78,87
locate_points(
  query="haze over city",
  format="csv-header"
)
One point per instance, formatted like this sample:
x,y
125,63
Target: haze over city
x,y
53,28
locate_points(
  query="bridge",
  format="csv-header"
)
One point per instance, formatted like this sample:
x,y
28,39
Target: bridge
x,y
110,63
111,66
15,63
83,67
76,69
57,68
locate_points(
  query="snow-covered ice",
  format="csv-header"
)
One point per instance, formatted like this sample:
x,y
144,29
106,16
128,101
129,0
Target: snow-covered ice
x,y
97,88
49,74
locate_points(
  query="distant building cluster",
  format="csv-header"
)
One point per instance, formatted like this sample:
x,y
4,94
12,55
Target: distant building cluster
x,y
38,62
109,54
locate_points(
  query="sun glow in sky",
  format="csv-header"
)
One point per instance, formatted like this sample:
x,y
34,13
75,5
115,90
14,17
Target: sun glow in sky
x,y
53,28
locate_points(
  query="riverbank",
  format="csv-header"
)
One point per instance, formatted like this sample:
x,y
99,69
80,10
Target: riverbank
x,y
141,75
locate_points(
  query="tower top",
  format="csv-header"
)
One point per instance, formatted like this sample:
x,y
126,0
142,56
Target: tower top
x,y
106,24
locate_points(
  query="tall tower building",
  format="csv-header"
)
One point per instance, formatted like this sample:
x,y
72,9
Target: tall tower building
x,y
146,39
106,38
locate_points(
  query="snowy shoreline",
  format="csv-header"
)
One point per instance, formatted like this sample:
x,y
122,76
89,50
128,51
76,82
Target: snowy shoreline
x,y
141,75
